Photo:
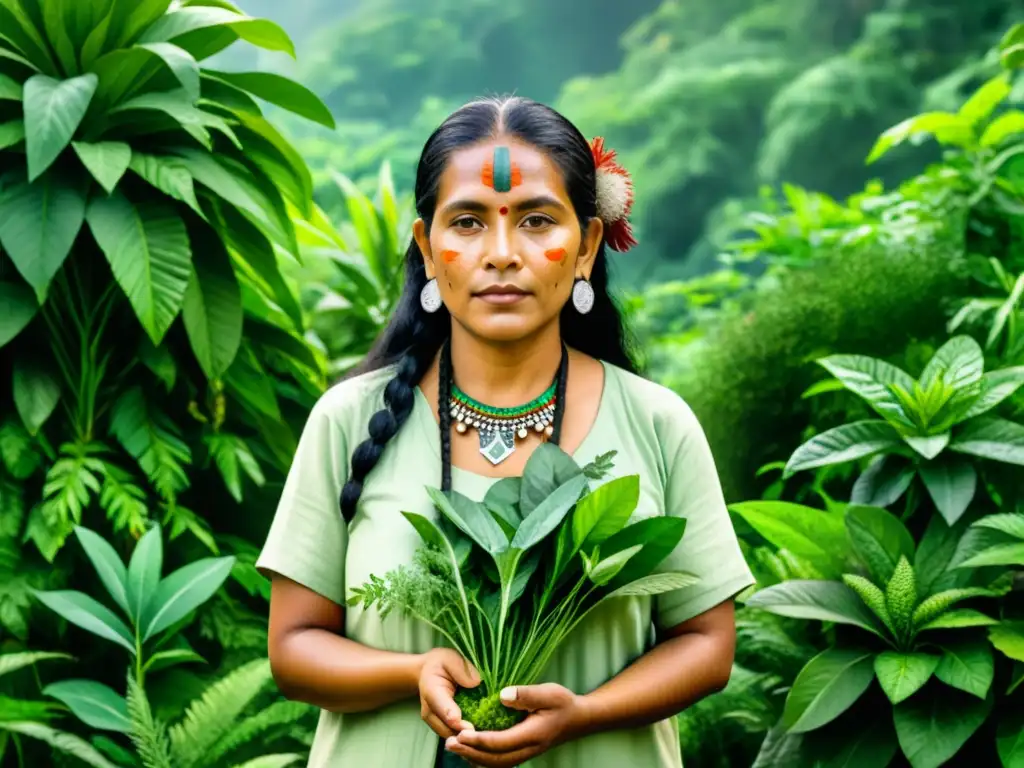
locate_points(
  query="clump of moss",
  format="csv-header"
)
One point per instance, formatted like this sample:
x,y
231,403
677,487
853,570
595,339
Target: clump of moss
x,y
485,710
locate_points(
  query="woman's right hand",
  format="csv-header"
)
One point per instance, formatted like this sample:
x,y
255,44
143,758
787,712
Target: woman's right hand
x,y
442,672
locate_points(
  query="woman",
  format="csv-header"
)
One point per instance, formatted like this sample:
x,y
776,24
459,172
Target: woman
x,y
505,300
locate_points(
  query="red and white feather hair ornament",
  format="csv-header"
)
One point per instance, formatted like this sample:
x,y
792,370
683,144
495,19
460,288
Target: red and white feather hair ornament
x,y
614,197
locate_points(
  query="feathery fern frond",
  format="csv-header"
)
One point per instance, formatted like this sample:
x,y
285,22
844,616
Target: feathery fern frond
x,y
151,438
211,716
23,710
278,713
64,742
124,501
148,734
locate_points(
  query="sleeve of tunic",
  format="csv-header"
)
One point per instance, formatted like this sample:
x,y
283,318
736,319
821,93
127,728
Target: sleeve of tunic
x,y
308,537
709,547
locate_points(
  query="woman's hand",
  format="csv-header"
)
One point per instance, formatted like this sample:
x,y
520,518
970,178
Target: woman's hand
x,y
556,715
442,673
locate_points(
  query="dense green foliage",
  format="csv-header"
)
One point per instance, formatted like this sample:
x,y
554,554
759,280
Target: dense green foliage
x,y
190,252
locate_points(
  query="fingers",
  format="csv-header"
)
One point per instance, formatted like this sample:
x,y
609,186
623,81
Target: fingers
x,y
462,672
437,726
534,697
489,760
525,735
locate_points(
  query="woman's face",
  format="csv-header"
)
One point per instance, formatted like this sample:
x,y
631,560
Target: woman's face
x,y
505,244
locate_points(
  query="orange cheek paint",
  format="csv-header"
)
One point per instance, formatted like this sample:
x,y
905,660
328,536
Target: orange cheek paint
x,y
449,256
556,254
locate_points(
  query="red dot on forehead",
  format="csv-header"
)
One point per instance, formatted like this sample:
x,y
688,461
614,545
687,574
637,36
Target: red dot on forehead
x,y
503,210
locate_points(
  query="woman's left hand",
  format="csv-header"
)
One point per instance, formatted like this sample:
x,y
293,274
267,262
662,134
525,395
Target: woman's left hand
x,y
556,716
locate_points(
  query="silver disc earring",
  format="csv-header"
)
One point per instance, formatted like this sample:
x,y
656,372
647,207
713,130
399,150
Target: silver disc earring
x,y
583,296
430,296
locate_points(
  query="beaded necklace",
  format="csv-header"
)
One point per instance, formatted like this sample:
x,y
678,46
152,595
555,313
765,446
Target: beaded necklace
x,y
498,428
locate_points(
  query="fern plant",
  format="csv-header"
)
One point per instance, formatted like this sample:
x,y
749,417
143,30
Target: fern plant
x,y
212,732
146,206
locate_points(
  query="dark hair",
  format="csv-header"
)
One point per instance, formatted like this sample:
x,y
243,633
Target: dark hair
x,y
413,337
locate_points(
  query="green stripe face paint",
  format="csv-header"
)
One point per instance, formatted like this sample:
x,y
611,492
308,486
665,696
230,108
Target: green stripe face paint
x,y
502,169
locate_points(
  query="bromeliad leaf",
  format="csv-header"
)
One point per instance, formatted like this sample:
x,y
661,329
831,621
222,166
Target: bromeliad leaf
x,y
108,565
95,704
148,249
183,591
53,111
820,600
83,611
871,378
843,443
826,687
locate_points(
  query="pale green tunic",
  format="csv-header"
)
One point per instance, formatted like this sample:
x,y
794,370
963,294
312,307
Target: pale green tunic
x,y
656,435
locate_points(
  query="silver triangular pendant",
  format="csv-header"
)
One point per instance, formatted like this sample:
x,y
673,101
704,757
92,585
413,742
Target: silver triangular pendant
x,y
497,445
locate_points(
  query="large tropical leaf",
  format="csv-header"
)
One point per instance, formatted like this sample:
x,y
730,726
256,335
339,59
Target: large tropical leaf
x,y
53,111
212,310
958,363
951,482
107,161
826,687
871,379
63,742
182,592
932,727
281,91
87,613
991,438
176,25
903,674
36,393
996,386
821,600
967,665
95,704
148,249
108,564
879,538
811,534
39,222
844,443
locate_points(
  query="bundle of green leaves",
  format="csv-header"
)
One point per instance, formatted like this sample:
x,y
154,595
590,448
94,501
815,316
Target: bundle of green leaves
x,y
505,580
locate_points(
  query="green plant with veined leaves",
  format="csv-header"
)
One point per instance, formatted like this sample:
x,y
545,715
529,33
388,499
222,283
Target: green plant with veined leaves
x,y
1001,313
506,579
931,427
920,620
146,203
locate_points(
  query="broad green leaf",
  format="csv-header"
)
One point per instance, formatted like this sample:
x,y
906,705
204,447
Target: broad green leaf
x,y
935,552
841,444
181,64
659,536
902,674
608,568
95,704
1010,523
19,308
951,482
810,534
958,363
36,393
12,662
548,468
212,311
40,223
96,40
819,600
549,514
503,498
879,538
53,111
471,518
56,16
871,744
107,161
1008,638
929,446
282,91
10,90
144,572
992,438
265,146
260,32
655,584
985,99
826,687
967,665
11,133
148,249
83,611
183,591
871,378
168,658
1010,739
169,175
947,128
26,35
932,728
604,511
959,618
108,564
61,741
884,481
1000,554
175,104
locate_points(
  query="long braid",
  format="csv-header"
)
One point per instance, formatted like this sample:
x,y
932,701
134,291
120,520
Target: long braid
x,y
399,398
444,393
